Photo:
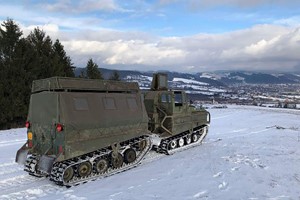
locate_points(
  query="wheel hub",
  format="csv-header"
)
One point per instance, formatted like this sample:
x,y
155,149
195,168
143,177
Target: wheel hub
x,y
85,169
68,174
101,165
180,142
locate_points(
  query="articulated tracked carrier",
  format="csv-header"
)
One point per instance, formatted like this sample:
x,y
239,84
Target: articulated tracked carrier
x,y
82,129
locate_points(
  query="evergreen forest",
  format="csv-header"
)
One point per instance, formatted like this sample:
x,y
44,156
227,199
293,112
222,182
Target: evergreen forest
x,y
27,58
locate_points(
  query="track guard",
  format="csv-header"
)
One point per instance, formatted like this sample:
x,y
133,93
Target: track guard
x,y
45,164
21,155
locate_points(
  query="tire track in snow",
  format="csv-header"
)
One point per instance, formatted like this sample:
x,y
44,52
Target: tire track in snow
x,y
34,190
30,187
18,183
243,132
247,134
40,189
11,142
7,169
222,116
8,164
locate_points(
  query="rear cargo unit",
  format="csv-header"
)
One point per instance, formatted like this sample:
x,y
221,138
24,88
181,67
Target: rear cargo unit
x,y
69,117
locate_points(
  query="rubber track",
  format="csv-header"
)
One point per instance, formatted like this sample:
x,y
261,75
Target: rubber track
x,y
165,143
59,168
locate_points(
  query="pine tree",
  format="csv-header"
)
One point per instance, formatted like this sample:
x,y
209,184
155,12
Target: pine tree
x,y
23,60
41,55
92,70
115,76
61,62
10,36
13,76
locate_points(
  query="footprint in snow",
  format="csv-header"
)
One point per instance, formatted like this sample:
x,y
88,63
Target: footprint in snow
x,y
153,179
201,194
219,174
223,185
115,194
235,168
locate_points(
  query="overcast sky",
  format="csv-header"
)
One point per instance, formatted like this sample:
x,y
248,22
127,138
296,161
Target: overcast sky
x,y
176,35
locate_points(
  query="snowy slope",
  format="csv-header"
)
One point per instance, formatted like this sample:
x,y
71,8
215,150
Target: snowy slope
x,y
243,157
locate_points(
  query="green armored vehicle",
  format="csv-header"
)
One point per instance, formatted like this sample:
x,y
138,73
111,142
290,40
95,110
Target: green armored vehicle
x,y
172,117
82,129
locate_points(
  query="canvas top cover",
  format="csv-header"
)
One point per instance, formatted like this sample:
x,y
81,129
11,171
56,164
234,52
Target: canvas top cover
x,y
66,83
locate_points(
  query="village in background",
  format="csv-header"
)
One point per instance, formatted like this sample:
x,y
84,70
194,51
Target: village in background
x,y
265,89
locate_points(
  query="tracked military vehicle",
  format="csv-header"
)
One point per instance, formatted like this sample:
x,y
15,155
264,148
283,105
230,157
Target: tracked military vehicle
x,y
171,116
82,129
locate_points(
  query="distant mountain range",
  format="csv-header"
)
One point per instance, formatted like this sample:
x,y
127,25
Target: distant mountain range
x,y
218,79
204,85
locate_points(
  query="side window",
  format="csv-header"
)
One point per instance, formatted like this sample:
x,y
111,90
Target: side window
x,y
80,104
165,98
109,103
178,99
132,104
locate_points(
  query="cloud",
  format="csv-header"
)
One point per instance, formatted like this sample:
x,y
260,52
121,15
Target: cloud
x,y
262,47
130,52
48,28
196,4
73,6
291,21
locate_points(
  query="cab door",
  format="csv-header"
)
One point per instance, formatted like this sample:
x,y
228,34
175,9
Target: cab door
x,y
180,102
181,116
165,102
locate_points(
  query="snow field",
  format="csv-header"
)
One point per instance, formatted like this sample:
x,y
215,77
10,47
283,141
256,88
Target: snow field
x,y
249,153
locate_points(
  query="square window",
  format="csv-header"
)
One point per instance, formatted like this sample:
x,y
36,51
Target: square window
x,y
81,104
109,103
132,104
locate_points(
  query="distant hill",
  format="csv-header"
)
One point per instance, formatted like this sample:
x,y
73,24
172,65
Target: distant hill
x,y
222,79
206,85
229,78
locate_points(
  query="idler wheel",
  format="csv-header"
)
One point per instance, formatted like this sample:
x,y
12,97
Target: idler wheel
x,y
102,165
195,137
129,156
117,161
173,144
188,139
68,174
180,142
85,169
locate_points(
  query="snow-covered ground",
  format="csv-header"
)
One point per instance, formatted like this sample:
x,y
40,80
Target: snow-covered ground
x,y
249,153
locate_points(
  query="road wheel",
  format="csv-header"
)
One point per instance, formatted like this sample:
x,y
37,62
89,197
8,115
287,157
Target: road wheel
x,y
188,139
173,144
129,156
85,169
68,174
180,142
195,137
117,161
102,165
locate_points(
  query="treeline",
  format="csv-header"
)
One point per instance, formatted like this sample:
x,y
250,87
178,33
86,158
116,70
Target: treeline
x,y
24,59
